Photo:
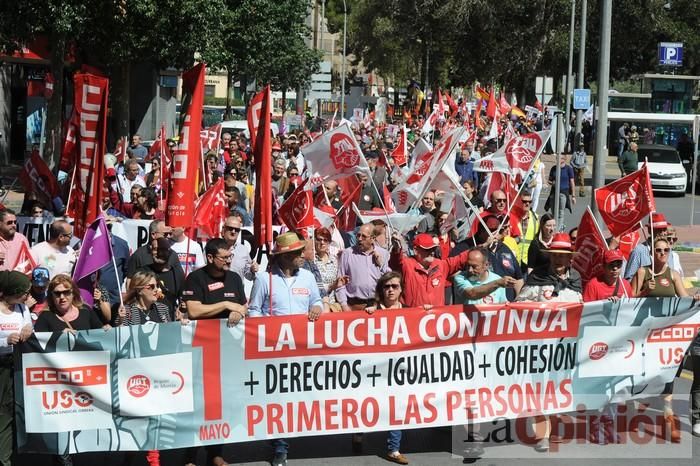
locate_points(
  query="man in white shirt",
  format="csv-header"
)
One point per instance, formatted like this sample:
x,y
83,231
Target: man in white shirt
x,y
128,179
241,262
56,254
188,251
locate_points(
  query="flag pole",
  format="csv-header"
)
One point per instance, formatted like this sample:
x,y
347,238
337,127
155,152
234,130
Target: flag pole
x,y
381,201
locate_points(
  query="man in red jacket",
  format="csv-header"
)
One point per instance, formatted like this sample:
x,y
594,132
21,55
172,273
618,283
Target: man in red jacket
x,y
424,275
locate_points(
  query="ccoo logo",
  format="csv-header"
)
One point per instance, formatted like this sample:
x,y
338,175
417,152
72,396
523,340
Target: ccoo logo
x,y
138,385
597,351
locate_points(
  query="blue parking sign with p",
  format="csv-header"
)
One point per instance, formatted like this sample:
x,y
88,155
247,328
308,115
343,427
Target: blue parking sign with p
x,y
671,53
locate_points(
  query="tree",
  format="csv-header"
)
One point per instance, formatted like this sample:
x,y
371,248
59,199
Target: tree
x,y
112,35
265,40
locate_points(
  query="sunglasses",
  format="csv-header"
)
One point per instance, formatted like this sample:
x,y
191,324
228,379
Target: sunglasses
x,y
527,202
59,293
228,258
615,265
672,238
167,234
321,239
499,200
232,229
11,222
150,286
662,250
392,286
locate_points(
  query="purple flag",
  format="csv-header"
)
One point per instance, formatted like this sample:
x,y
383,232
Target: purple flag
x,y
95,253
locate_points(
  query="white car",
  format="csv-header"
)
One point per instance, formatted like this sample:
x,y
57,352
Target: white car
x,y
238,126
665,168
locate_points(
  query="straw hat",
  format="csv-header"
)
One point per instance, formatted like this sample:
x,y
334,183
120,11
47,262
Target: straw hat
x,y
561,243
288,242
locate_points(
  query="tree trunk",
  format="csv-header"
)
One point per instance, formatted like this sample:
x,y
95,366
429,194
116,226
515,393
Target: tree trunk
x,y
120,100
229,90
54,113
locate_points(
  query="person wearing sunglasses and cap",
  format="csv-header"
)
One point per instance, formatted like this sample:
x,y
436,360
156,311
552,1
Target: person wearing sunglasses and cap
x,y
609,284
424,274
15,327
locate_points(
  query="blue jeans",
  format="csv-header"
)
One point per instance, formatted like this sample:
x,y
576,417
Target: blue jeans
x,y
393,441
280,446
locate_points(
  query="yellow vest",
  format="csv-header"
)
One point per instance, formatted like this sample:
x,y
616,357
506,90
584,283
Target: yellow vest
x,y
533,229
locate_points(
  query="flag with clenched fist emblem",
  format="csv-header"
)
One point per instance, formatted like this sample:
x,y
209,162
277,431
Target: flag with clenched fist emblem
x,y
297,211
625,202
516,157
590,247
211,209
334,155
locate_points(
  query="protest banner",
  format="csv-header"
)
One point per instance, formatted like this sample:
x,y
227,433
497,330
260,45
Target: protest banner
x,y
171,385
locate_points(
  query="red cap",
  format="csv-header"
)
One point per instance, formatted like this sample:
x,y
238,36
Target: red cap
x,y
658,221
612,255
424,241
276,146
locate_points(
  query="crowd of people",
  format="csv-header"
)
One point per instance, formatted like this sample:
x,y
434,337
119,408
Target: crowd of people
x,y
366,268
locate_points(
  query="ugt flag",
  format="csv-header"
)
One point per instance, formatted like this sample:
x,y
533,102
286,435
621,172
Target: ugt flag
x,y
625,202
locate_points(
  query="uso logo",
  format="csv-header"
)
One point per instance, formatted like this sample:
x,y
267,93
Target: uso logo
x,y
138,385
598,351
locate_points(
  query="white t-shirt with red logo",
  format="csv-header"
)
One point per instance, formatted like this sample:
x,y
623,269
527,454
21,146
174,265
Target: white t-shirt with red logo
x,y
12,323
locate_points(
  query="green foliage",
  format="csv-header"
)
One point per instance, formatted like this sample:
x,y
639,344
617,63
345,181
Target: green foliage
x,y
265,39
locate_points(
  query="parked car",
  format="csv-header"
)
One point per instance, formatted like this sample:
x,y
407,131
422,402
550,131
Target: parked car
x,y
237,126
665,168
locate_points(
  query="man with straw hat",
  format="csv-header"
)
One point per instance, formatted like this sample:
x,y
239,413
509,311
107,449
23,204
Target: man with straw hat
x,y
285,289
556,282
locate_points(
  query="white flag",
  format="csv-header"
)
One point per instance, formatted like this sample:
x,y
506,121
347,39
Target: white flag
x,y
336,154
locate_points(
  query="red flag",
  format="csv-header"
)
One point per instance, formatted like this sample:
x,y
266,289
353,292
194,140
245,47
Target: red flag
x,y
538,104
350,187
451,103
37,177
25,262
629,241
625,202
504,105
91,97
441,104
263,169
211,210
48,85
492,106
69,152
158,147
478,122
210,138
120,150
400,152
590,247
254,114
297,212
187,153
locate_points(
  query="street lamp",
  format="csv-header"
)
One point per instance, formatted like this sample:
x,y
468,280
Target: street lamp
x,y
342,74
